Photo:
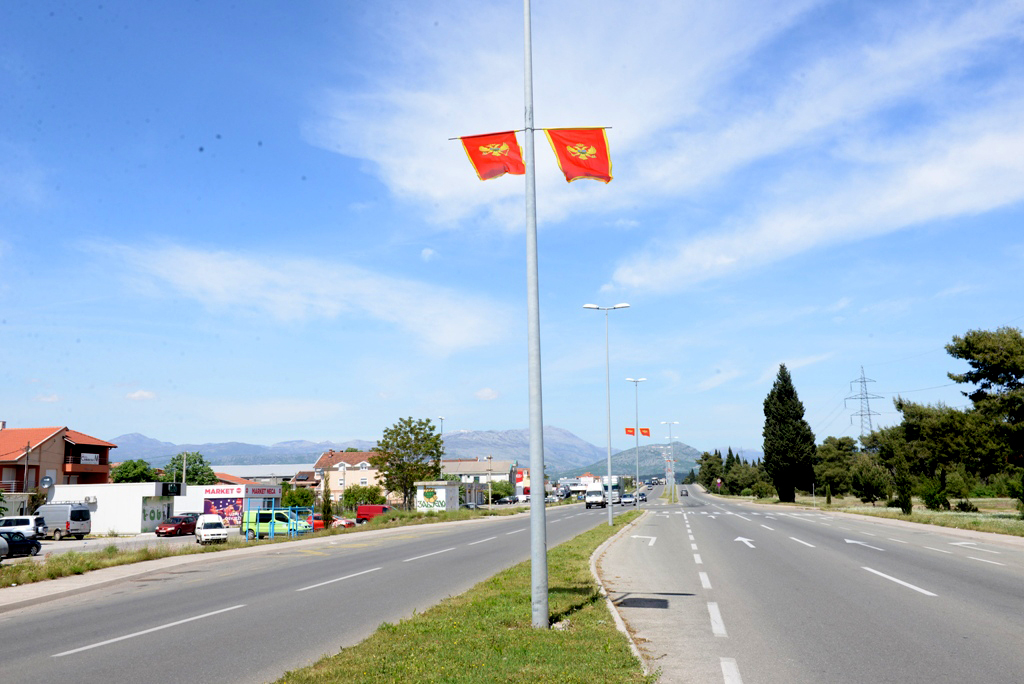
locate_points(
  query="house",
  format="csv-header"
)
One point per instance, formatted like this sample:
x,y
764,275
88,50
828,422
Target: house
x,y
66,456
341,469
474,474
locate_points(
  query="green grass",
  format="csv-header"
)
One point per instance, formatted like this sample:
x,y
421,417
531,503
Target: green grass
x,y
485,635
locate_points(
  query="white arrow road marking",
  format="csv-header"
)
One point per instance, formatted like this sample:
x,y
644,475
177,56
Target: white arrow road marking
x,y
972,545
148,631
899,581
748,542
802,542
717,624
851,541
638,536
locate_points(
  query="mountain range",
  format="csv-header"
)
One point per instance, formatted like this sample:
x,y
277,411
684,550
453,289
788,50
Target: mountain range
x,y
565,454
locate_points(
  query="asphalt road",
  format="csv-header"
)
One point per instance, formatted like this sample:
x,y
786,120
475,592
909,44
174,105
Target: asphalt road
x,y
251,619
732,592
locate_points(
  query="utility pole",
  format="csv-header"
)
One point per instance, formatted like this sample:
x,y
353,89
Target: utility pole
x,y
865,411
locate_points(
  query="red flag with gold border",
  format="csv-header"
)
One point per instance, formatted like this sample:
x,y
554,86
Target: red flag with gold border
x,y
630,431
646,432
581,153
494,154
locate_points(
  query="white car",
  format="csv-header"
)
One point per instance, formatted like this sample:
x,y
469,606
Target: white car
x,y
210,529
628,500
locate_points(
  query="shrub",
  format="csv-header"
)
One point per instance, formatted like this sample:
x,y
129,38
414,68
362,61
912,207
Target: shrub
x,y
965,506
763,490
747,491
934,496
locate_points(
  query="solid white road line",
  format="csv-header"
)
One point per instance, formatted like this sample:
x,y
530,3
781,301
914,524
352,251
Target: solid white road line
x,y
428,555
932,548
521,529
985,561
908,585
742,518
148,631
730,671
704,581
481,541
697,560
898,541
768,528
338,579
717,624
800,541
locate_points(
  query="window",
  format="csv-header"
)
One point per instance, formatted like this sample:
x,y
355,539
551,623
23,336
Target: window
x,y
364,466
363,481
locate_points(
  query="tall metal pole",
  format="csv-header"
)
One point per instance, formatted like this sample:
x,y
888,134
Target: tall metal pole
x,y
538,528
636,424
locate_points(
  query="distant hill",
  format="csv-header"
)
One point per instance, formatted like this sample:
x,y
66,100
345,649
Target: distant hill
x,y
651,458
562,449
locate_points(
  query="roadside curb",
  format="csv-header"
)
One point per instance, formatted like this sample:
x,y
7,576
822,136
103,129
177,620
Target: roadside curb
x,y
620,624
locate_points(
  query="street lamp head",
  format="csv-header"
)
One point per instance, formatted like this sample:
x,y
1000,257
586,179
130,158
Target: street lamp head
x,y
591,306
621,306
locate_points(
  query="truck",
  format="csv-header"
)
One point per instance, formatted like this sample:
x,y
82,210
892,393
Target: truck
x,y
595,496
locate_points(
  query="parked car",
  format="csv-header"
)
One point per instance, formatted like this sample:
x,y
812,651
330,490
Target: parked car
x,y
263,523
176,525
20,545
506,500
31,526
66,519
628,500
3,548
343,522
210,529
551,499
316,520
368,512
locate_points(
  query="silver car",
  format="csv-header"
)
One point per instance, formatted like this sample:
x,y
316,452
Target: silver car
x,y
31,526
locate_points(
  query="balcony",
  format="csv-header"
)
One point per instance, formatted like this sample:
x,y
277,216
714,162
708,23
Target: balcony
x,y
12,486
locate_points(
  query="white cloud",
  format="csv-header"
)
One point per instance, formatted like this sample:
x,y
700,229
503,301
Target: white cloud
x,y
140,395
428,254
486,394
444,320
719,378
48,398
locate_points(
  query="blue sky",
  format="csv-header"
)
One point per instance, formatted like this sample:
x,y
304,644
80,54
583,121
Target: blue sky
x,y
247,222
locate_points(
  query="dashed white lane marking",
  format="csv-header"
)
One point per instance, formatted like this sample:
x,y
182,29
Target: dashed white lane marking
x,y
985,561
768,528
704,581
717,624
898,541
481,541
868,534
338,579
908,585
522,529
742,518
697,560
730,671
693,547
428,555
800,541
148,631
691,537
932,548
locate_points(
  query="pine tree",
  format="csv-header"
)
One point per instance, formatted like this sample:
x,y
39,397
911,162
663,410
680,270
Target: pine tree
x,y
788,439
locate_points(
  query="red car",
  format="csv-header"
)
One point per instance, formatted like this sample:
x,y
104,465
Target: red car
x,y
317,521
179,524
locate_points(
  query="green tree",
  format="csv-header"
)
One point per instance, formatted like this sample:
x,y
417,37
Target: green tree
x,y
691,478
326,505
833,464
788,439
298,496
197,470
869,479
904,484
136,470
709,469
355,495
501,488
410,451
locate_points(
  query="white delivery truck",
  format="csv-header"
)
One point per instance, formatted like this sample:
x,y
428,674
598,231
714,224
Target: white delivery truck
x,y
595,496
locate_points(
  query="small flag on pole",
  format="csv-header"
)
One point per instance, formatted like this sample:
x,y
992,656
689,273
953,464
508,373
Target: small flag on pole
x,y
581,152
630,431
646,432
494,154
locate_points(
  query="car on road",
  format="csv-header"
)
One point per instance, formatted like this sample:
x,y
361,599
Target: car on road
x,y
628,500
210,529
176,525
642,496
20,545
683,492
31,526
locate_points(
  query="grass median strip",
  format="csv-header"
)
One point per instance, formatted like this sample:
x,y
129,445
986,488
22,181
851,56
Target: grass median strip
x,y
485,635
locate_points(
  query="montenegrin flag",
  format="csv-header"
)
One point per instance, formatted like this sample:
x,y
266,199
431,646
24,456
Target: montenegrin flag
x,y
630,431
581,152
494,154
646,432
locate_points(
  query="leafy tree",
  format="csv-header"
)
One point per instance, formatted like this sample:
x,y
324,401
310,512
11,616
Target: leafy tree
x,y
788,439
355,495
904,485
410,451
870,480
691,478
763,489
197,470
298,496
136,470
326,505
710,469
833,463
501,488
352,450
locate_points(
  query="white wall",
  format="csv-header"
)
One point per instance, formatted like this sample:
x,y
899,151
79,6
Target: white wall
x,y
118,507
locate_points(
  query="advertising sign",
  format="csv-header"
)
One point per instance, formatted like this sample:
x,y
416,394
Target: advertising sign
x,y
437,496
229,509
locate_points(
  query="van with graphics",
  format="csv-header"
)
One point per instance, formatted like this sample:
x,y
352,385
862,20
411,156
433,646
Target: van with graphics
x,y
264,523
66,519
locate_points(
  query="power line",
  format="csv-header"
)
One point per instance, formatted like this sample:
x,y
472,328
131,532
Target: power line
x,y
865,412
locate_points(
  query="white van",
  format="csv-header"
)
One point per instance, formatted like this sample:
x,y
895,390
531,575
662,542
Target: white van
x,y
210,529
66,519
595,496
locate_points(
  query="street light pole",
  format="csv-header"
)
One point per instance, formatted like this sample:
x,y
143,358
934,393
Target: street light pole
x,y
671,450
608,394
636,424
